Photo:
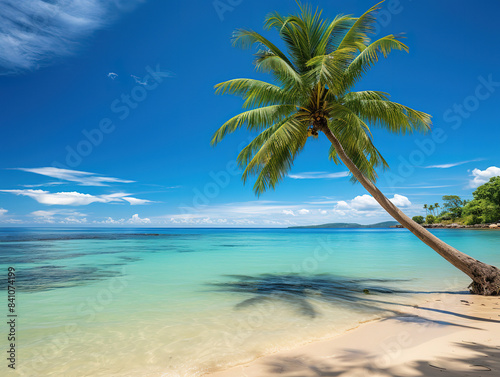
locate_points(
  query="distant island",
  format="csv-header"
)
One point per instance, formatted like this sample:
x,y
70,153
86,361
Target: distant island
x,y
385,224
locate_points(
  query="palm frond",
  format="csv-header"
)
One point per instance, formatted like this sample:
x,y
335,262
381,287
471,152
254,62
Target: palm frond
x,y
357,36
247,38
326,69
256,93
388,115
358,146
286,76
247,153
334,34
300,33
275,156
369,56
255,119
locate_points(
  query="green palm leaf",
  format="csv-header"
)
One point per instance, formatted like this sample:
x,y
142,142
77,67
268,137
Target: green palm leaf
x,y
255,119
369,56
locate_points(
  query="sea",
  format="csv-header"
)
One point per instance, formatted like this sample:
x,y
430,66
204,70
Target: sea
x,y
184,302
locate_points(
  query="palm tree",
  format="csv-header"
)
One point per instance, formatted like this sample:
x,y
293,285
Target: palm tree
x,y
431,209
426,207
312,92
436,206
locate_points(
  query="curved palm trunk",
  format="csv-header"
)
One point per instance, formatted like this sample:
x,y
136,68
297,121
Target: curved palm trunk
x,y
485,278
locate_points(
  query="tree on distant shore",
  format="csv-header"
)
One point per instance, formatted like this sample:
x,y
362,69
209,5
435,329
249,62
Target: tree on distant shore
x,y
312,92
431,209
453,205
418,219
485,207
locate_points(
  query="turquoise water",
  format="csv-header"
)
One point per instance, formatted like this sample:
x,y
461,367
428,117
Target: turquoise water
x,y
182,302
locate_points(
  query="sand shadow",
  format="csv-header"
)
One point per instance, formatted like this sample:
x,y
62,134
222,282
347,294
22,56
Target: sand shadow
x,y
483,360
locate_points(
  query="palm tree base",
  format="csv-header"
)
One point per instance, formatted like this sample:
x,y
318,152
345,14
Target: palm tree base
x,y
487,281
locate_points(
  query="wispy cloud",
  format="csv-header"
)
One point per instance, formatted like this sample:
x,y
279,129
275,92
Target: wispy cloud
x,y
139,81
54,212
3,211
33,33
452,165
319,175
483,176
81,177
135,201
44,184
419,187
75,198
58,216
112,75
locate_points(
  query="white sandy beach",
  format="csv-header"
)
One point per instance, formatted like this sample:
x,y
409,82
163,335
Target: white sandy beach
x,y
447,335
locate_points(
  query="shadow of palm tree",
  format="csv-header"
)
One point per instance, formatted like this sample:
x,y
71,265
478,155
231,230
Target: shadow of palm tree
x,y
298,291
483,359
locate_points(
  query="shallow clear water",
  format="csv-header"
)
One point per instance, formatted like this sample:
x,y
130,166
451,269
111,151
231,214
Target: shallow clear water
x,y
181,302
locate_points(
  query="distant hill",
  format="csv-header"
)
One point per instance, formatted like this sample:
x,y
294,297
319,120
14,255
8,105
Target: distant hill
x,y
385,224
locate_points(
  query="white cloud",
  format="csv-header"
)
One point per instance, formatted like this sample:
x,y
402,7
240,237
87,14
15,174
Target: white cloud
x,y
62,212
135,201
253,213
401,201
32,33
81,177
121,196
139,81
5,219
135,219
112,75
483,176
319,175
452,165
73,220
45,184
366,203
295,213
419,187
75,198
58,216
58,198
43,213
11,221
189,219
109,220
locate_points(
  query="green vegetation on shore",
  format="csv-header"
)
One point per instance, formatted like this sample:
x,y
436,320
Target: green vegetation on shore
x,y
484,208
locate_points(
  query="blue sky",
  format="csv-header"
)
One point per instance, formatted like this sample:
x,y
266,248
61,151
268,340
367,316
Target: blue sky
x,y
108,109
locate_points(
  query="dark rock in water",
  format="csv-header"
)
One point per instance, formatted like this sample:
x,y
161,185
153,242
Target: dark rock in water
x,y
366,291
